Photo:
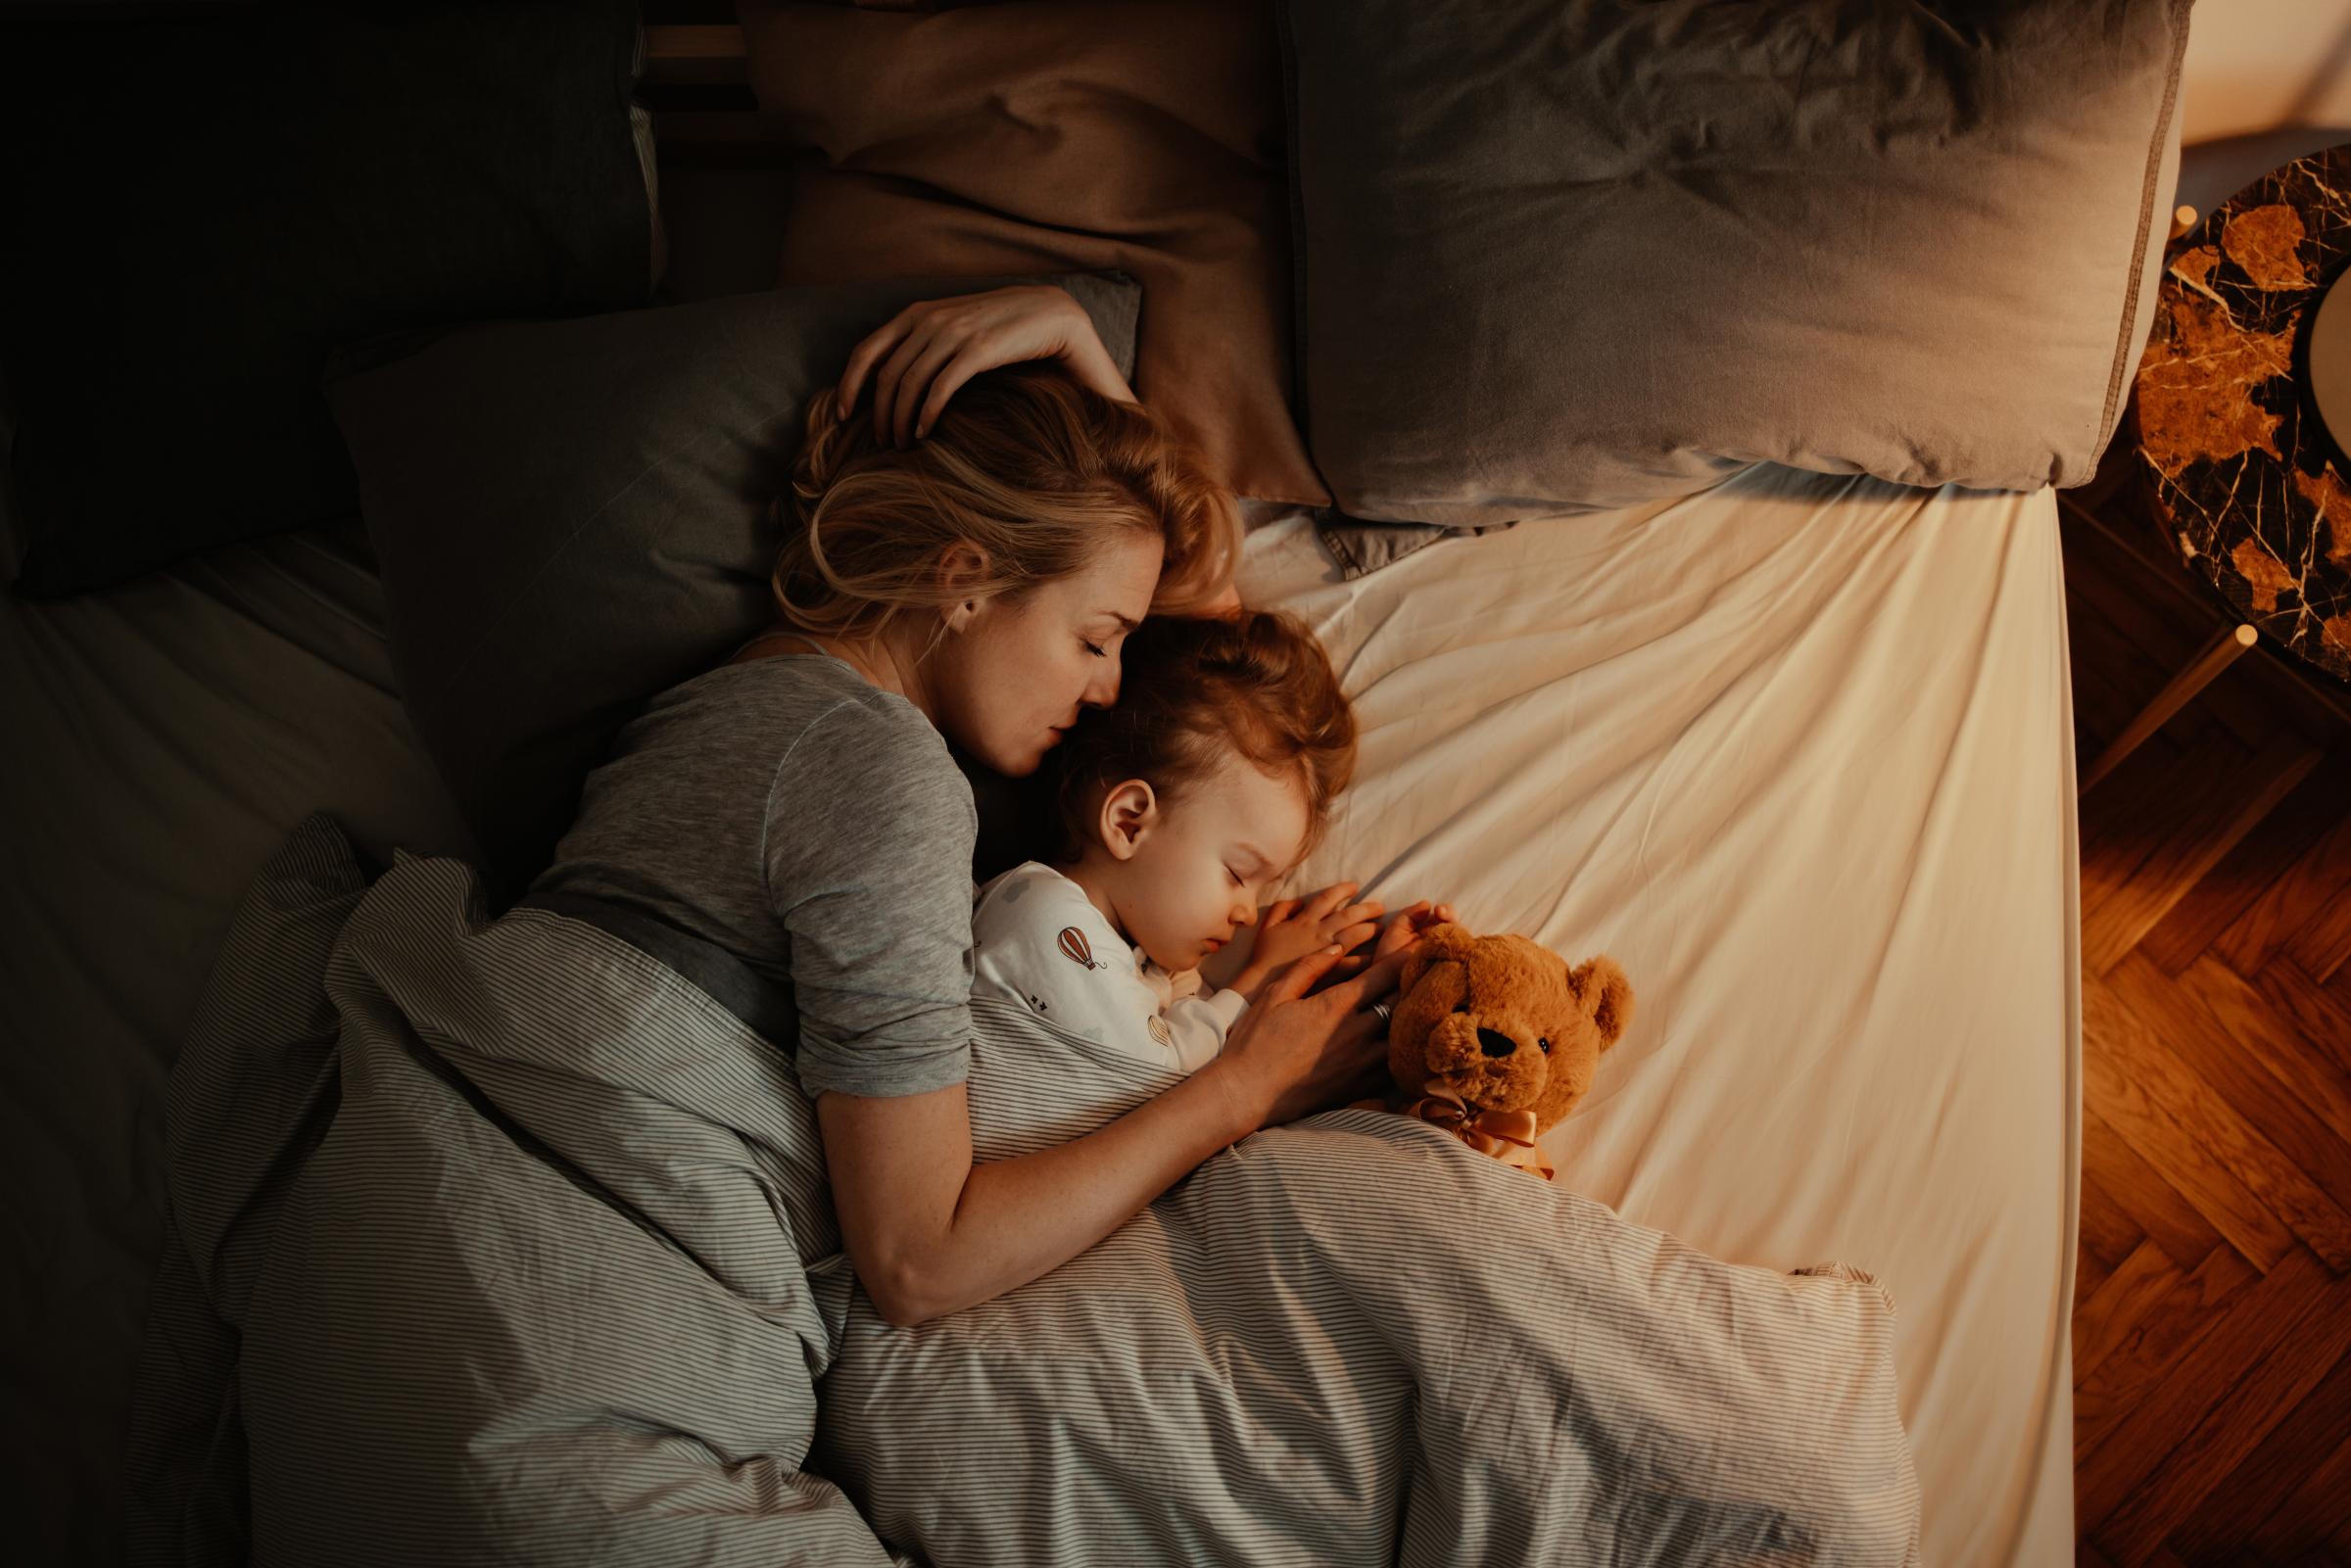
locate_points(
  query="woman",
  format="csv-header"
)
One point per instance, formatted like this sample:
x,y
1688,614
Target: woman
x,y
961,572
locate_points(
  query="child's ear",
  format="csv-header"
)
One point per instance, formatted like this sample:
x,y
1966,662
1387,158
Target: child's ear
x,y
1129,811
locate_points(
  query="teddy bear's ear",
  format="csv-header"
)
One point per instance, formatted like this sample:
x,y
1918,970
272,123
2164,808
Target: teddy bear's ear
x,y
1605,996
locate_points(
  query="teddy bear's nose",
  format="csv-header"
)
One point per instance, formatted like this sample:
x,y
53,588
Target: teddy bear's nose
x,y
1495,1043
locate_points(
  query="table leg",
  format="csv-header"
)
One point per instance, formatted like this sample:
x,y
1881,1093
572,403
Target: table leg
x,y
2224,649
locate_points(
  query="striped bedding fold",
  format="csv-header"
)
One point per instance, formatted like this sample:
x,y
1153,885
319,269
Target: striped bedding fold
x,y
501,1240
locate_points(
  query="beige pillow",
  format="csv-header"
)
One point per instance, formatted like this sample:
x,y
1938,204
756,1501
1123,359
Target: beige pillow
x,y
1055,135
1564,253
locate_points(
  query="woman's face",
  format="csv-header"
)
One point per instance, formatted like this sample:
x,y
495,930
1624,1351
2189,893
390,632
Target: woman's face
x,y
1014,678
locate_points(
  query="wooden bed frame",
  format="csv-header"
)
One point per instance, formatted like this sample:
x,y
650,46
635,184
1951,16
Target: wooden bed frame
x,y
696,82
701,55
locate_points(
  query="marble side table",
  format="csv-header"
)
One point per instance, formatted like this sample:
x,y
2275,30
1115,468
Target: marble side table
x,y
2249,484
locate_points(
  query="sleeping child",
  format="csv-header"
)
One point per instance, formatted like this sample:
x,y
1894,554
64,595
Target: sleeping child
x,y
1178,809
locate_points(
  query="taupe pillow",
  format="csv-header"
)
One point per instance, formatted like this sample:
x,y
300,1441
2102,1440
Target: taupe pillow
x,y
1564,253
572,517
1062,135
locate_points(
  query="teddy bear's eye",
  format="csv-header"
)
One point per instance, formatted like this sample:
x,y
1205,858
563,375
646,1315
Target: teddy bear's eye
x,y
1545,1043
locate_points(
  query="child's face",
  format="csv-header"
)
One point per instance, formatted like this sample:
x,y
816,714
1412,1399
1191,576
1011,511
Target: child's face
x,y
1206,861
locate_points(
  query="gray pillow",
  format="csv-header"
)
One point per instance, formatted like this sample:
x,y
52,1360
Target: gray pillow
x,y
1561,254
572,517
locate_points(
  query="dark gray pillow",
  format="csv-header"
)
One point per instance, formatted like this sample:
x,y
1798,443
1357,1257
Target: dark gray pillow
x,y
572,516
1564,253
203,207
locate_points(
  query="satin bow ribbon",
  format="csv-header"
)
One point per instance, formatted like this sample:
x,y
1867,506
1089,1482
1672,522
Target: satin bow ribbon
x,y
1508,1135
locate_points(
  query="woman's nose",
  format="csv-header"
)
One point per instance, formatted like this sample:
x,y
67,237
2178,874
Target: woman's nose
x,y
1103,691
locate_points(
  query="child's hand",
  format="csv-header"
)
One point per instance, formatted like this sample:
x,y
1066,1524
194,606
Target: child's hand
x,y
1405,927
1410,925
1297,927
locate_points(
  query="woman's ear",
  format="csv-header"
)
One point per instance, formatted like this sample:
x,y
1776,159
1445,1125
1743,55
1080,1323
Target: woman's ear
x,y
962,574
1129,811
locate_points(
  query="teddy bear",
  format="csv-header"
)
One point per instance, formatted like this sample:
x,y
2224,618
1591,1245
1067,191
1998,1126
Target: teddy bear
x,y
1496,1038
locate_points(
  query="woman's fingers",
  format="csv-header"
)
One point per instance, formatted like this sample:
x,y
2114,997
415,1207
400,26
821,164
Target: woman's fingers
x,y
1377,980
1355,914
1300,976
888,380
945,348
959,370
879,343
1356,936
1281,912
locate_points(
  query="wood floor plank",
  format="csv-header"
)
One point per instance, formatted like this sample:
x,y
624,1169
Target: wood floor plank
x,y
2266,1479
2179,1126
2201,1409
2273,1030
2090,1272
2156,637
2113,1312
2273,918
2111,681
2148,811
2270,851
2235,804
2167,1331
2312,1520
2147,1205
2216,1116
2322,1014
2087,1556
2305,1328
2322,944
2318,1190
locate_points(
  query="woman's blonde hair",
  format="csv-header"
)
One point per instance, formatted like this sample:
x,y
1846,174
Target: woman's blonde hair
x,y
1025,464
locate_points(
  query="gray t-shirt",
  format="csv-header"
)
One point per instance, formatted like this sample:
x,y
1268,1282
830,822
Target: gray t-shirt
x,y
815,827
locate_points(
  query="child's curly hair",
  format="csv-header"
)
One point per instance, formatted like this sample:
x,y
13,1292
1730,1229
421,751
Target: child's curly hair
x,y
1191,693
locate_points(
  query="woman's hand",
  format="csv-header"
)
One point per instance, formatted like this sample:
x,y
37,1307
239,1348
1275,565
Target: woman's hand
x,y
925,351
1297,927
1299,1050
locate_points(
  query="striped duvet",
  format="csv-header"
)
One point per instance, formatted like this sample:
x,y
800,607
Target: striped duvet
x,y
505,1240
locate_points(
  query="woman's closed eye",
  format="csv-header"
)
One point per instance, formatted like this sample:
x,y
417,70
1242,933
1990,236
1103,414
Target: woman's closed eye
x,y
1096,649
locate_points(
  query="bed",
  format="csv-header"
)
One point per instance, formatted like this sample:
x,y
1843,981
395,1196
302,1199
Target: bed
x,y
1795,749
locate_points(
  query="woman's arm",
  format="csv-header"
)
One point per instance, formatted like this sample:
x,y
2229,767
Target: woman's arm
x,y
924,353
930,1233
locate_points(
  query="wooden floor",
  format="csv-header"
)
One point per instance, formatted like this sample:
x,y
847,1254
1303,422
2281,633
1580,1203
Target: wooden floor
x,y
2212,1322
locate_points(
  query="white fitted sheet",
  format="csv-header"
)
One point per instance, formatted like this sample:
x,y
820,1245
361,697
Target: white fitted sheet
x,y
1794,750
1797,752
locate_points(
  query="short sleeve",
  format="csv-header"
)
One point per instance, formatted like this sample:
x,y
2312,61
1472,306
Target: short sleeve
x,y
868,856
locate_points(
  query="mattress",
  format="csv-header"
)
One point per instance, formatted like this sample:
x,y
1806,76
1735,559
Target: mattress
x,y
1795,750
